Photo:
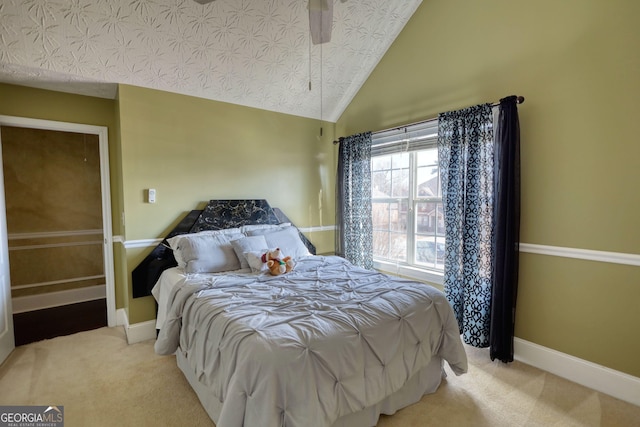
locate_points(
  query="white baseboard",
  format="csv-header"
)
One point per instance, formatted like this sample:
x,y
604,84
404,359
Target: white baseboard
x,y
58,298
597,377
142,331
121,317
137,332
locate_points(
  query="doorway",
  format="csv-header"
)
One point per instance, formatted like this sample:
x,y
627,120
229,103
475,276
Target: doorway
x,y
58,219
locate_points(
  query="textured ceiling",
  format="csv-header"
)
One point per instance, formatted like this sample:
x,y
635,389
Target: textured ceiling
x,y
249,52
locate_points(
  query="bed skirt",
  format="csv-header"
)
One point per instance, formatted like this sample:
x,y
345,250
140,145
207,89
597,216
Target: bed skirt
x,y
424,382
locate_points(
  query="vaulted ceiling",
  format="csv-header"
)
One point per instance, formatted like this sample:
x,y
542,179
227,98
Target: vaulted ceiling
x,y
255,53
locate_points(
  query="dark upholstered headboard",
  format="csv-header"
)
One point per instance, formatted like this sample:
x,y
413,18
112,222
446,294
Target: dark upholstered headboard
x,y
217,215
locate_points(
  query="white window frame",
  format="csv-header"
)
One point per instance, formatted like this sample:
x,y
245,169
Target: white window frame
x,y
411,138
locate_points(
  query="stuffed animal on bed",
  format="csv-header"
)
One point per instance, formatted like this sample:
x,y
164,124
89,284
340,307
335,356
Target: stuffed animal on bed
x,y
276,263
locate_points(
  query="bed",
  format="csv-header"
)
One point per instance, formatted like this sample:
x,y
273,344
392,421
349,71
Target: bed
x,y
327,344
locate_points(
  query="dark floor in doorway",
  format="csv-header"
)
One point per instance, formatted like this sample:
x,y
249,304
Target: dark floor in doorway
x,y
53,322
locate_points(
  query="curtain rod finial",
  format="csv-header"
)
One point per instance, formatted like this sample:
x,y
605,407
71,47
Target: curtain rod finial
x,y
520,99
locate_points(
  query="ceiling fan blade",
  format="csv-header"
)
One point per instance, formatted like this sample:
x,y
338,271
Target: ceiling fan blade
x,y
319,4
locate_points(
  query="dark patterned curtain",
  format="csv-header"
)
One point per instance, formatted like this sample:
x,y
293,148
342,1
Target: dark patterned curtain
x,y
506,230
465,150
354,233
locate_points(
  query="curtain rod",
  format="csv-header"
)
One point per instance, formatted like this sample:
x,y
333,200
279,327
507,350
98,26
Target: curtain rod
x,y
519,100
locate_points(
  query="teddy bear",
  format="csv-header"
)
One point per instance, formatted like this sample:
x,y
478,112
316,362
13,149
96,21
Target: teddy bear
x,y
276,263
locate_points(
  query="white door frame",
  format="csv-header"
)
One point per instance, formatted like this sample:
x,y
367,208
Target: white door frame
x,y
7,337
102,133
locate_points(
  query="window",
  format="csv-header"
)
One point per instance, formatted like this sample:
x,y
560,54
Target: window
x,y
408,220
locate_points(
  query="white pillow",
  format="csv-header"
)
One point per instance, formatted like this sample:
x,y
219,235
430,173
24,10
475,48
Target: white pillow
x,y
248,244
254,258
174,242
287,239
207,253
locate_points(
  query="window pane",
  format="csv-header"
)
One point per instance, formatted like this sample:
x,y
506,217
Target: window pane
x,y
381,225
425,252
428,157
440,253
428,181
380,216
400,160
398,216
400,180
380,163
390,216
429,236
390,230
430,251
381,184
440,231
390,246
430,219
426,218
380,244
398,247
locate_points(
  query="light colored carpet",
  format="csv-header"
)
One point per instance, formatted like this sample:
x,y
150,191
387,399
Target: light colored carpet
x,y
102,381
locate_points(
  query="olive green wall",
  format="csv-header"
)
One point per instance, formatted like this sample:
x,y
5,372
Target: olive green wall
x,y
192,150
41,104
577,63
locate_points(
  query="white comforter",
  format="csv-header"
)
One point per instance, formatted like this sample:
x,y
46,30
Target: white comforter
x,y
308,347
